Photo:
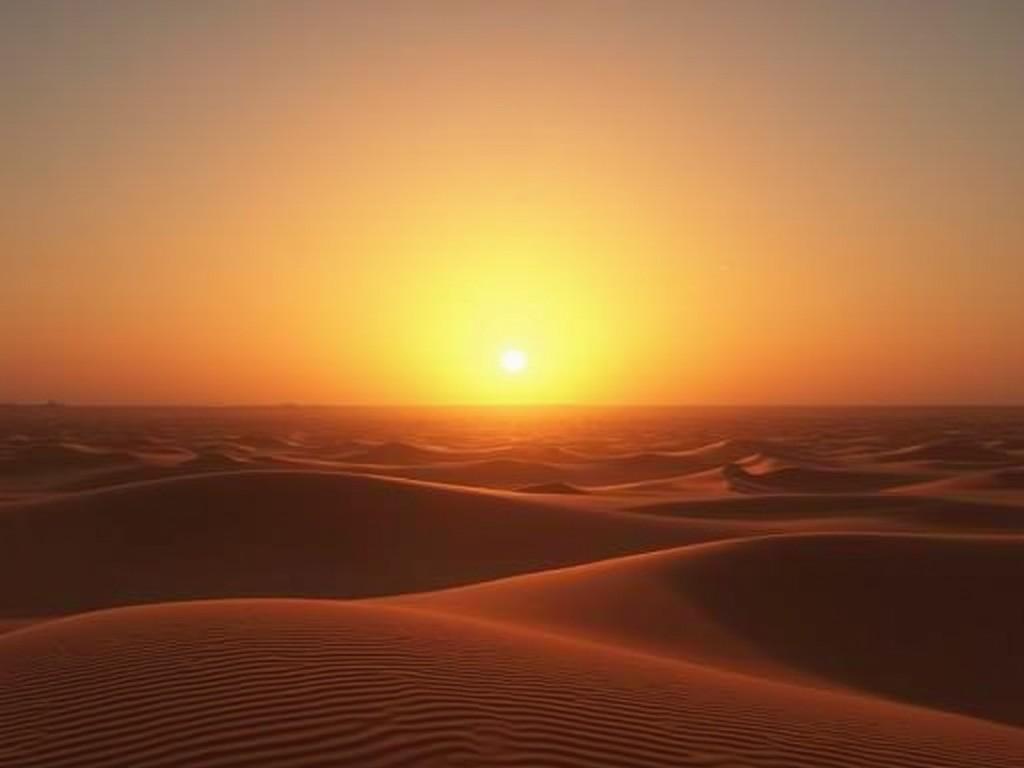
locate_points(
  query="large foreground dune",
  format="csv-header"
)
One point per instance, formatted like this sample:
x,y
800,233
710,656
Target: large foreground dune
x,y
233,683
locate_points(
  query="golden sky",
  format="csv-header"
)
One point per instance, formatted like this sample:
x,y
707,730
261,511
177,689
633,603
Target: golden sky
x,y
656,202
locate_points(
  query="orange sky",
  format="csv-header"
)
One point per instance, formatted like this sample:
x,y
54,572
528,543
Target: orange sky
x,y
659,202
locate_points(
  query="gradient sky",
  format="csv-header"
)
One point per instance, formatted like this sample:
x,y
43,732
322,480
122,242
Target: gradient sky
x,y
660,202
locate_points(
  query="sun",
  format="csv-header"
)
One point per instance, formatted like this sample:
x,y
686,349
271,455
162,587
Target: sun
x,y
514,361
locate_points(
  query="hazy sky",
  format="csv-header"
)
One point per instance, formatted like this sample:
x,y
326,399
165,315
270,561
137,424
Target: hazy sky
x,y
659,202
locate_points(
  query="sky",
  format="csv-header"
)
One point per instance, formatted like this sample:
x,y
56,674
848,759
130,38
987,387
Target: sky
x,y
376,202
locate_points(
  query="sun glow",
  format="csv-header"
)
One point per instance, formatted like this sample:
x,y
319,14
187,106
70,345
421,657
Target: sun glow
x,y
514,361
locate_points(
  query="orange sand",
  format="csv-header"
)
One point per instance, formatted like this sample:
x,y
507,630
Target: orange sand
x,y
293,587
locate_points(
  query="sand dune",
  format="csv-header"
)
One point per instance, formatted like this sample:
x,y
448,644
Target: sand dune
x,y
9,625
398,453
949,452
488,473
34,460
709,483
924,619
777,587
992,480
311,683
886,512
635,603
294,534
513,472
927,621
738,450
110,477
125,475
524,465
215,461
542,452
811,480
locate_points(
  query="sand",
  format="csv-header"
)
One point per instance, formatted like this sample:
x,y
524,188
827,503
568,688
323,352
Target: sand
x,y
300,587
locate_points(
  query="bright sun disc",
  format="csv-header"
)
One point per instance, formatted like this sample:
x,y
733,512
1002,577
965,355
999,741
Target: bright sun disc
x,y
513,360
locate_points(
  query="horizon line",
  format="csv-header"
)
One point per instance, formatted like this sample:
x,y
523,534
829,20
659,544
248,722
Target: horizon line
x,y
441,406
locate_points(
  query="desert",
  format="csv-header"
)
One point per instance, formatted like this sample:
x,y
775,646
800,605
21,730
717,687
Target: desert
x,y
219,587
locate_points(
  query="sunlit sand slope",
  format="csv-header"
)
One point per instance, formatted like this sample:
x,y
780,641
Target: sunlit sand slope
x,y
272,683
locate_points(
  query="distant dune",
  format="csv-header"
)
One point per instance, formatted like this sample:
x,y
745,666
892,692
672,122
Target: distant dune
x,y
988,480
954,453
879,512
31,462
811,480
488,473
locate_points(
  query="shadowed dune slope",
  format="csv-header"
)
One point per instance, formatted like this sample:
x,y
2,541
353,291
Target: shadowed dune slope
x,y
295,534
925,619
398,453
952,451
50,459
512,471
300,683
497,473
560,488
996,480
890,512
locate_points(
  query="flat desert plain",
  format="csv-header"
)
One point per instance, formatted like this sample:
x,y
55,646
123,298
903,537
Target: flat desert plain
x,y
512,587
